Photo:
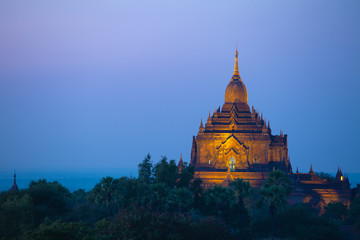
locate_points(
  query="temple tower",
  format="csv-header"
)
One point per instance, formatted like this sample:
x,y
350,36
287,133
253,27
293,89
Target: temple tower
x,y
238,140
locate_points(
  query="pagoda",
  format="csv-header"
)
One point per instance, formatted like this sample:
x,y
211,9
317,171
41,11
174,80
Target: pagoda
x,y
14,187
237,142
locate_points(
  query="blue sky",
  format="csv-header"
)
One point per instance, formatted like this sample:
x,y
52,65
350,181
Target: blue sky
x,y
99,84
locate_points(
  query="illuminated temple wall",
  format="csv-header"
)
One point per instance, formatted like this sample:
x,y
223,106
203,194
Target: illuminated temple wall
x,y
216,151
234,132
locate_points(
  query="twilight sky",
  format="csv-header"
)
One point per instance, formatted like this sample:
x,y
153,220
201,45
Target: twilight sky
x,y
99,84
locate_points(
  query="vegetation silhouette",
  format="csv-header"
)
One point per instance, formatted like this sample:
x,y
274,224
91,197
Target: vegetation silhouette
x,y
274,193
164,202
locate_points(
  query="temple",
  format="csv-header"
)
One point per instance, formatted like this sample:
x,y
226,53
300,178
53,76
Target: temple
x,y
14,187
237,142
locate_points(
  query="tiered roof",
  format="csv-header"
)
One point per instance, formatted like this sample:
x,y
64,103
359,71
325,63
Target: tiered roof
x,y
235,118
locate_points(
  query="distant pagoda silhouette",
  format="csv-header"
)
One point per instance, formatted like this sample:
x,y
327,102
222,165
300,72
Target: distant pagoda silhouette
x,y
14,187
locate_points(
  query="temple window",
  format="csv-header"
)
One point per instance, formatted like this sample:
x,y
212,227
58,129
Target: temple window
x,y
232,164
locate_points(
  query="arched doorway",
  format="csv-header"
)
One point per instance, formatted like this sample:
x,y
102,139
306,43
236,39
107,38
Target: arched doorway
x,y
232,164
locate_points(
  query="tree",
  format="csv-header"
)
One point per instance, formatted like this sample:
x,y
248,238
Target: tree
x,y
219,201
274,193
186,175
78,196
180,199
16,216
144,223
84,211
59,230
50,199
145,170
354,212
326,176
298,222
129,191
197,191
104,193
166,172
335,211
242,190
159,195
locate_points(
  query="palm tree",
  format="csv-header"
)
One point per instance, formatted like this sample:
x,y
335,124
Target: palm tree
x,y
103,193
219,200
242,190
274,193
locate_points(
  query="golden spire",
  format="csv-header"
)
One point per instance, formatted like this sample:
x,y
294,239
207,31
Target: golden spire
x,y
201,128
311,169
236,67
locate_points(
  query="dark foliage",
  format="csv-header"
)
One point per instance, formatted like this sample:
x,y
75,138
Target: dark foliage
x,y
298,222
50,199
326,176
354,214
165,203
142,223
16,216
145,170
335,212
274,193
166,172
59,230
185,176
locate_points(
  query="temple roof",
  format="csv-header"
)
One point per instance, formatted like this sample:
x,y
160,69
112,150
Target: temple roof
x,y
236,90
236,118
235,115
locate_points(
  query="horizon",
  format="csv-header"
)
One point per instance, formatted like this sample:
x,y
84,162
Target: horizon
x,y
100,85
75,180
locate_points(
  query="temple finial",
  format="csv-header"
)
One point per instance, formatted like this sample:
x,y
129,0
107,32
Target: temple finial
x,y
201,128
181,163
236,67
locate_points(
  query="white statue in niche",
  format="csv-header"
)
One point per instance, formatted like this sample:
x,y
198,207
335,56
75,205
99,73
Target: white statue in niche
x,y
232,164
